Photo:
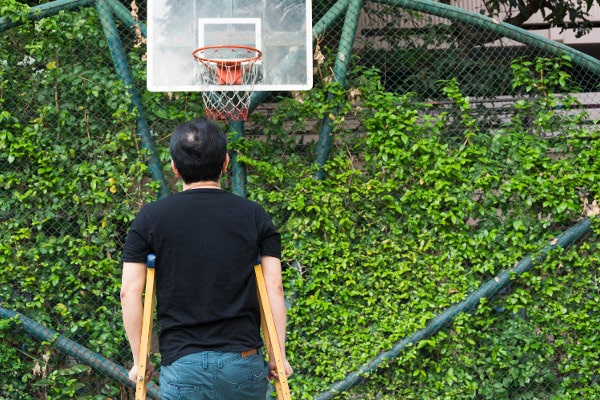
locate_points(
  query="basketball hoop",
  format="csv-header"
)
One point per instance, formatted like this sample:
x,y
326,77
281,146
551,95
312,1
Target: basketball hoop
x,y
228,74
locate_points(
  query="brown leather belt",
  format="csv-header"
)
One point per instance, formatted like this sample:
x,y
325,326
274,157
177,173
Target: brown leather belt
x,y
248,353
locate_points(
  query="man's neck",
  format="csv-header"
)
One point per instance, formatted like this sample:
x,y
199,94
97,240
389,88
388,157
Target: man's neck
x,y
201,185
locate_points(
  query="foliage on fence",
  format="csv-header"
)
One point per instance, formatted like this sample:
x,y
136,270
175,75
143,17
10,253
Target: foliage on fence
x,y
407,223
431,189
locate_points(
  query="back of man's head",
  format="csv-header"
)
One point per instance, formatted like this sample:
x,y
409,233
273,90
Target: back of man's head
x,y
198,150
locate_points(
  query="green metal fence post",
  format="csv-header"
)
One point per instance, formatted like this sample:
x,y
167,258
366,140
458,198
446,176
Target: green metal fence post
x,y
122,67
442,320
45,10
330,18
238,169
124,15
501,28
75,350
339,70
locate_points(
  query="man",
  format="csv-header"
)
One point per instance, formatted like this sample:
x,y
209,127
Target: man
x,y
206,243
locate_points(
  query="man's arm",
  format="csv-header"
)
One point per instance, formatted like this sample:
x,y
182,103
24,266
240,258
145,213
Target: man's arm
x,y
132,286
271,268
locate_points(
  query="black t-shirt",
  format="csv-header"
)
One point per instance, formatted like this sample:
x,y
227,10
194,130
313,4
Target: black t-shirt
x,y
206,242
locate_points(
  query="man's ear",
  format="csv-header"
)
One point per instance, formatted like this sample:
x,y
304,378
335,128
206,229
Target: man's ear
x,y
226,163
175,171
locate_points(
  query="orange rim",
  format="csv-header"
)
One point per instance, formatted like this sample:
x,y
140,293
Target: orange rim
x,y
227,62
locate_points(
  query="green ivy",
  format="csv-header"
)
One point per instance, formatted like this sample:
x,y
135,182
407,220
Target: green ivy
x,y
71,184
409,221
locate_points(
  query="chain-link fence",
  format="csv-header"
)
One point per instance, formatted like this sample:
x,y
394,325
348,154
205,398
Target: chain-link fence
x,y
77,131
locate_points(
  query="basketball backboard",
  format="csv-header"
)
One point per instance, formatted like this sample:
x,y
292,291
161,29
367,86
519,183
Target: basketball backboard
x,y
280,29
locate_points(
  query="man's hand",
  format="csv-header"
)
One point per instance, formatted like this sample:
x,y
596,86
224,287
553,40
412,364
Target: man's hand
x,y
273,369
133,372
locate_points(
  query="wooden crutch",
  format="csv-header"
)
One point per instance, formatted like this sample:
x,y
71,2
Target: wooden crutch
x,y
270,335
146,339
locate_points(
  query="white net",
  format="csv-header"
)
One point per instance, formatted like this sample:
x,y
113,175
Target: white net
x,y
229,74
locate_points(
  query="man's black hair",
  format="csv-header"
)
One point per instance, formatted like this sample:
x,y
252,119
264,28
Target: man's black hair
x,y
198,149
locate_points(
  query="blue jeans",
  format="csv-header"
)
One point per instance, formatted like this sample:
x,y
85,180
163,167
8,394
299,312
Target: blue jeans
x,y
213,375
